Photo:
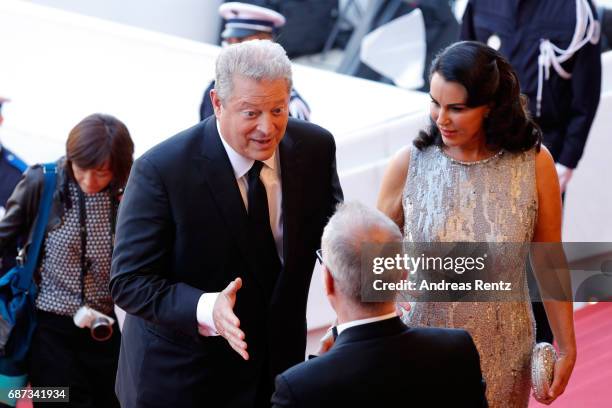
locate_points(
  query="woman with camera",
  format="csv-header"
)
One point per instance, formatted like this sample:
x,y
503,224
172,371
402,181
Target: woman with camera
x,y
76,342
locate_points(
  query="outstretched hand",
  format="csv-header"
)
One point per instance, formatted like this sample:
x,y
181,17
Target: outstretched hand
x,y
226,322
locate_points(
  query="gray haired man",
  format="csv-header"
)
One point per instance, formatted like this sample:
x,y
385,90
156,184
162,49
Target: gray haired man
x,y
216,240
376,360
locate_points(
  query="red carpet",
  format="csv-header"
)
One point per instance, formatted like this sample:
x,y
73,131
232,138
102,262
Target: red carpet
x,y
591,382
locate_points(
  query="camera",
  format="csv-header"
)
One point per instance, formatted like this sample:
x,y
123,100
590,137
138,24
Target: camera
x,y
100,325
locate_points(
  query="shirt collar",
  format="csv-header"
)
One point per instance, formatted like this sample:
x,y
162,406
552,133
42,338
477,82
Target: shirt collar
x,y
240,164
347,325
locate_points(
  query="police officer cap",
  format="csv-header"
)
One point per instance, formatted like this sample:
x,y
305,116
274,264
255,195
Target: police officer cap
x,y
243,20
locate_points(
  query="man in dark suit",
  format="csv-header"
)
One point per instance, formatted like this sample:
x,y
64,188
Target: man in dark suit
x,y
376,360
216,240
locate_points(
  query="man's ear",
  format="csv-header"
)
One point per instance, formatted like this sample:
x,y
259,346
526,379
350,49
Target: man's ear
x,y
216,102
328,281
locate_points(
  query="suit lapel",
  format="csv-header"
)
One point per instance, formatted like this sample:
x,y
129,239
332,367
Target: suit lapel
x,y
215,168
291,174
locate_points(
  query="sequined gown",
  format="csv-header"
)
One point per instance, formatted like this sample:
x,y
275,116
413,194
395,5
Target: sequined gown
x,y
492,200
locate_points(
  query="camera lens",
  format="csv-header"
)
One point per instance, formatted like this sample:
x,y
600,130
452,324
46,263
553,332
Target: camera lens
x,y
101,329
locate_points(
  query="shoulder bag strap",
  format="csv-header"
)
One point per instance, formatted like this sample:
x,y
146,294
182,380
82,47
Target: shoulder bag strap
x,y
27,270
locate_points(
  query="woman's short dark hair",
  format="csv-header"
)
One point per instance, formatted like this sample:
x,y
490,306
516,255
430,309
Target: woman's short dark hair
x,y
97,139
489,79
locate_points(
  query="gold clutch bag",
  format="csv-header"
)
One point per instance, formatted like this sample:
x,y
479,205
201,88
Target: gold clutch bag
x,y
542,368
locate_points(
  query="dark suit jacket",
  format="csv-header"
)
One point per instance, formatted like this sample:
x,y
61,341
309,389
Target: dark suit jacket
x,y
181,232
387,364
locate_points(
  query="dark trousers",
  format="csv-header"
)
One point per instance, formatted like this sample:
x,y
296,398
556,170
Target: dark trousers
x,y
63,355
265,389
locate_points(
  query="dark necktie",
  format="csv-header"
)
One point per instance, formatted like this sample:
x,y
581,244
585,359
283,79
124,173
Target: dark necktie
x,y
260,233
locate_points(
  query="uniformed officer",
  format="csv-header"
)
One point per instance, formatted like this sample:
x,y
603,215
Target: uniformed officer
x,y
245,22
554,48
11,168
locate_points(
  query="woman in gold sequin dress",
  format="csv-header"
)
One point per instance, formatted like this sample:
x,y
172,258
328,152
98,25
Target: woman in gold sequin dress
x,y
480,174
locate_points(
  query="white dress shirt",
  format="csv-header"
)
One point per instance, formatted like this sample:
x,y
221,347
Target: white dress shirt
x,y
342,327
270,177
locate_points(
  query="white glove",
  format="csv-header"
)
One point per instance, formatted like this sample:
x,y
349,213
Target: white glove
x,y
564,174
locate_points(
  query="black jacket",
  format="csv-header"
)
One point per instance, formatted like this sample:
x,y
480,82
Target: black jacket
x,y
181,231
568,106
387,364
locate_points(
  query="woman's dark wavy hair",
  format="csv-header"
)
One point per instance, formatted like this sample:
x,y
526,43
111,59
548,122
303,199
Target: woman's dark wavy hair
x,y
489,80
97,139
